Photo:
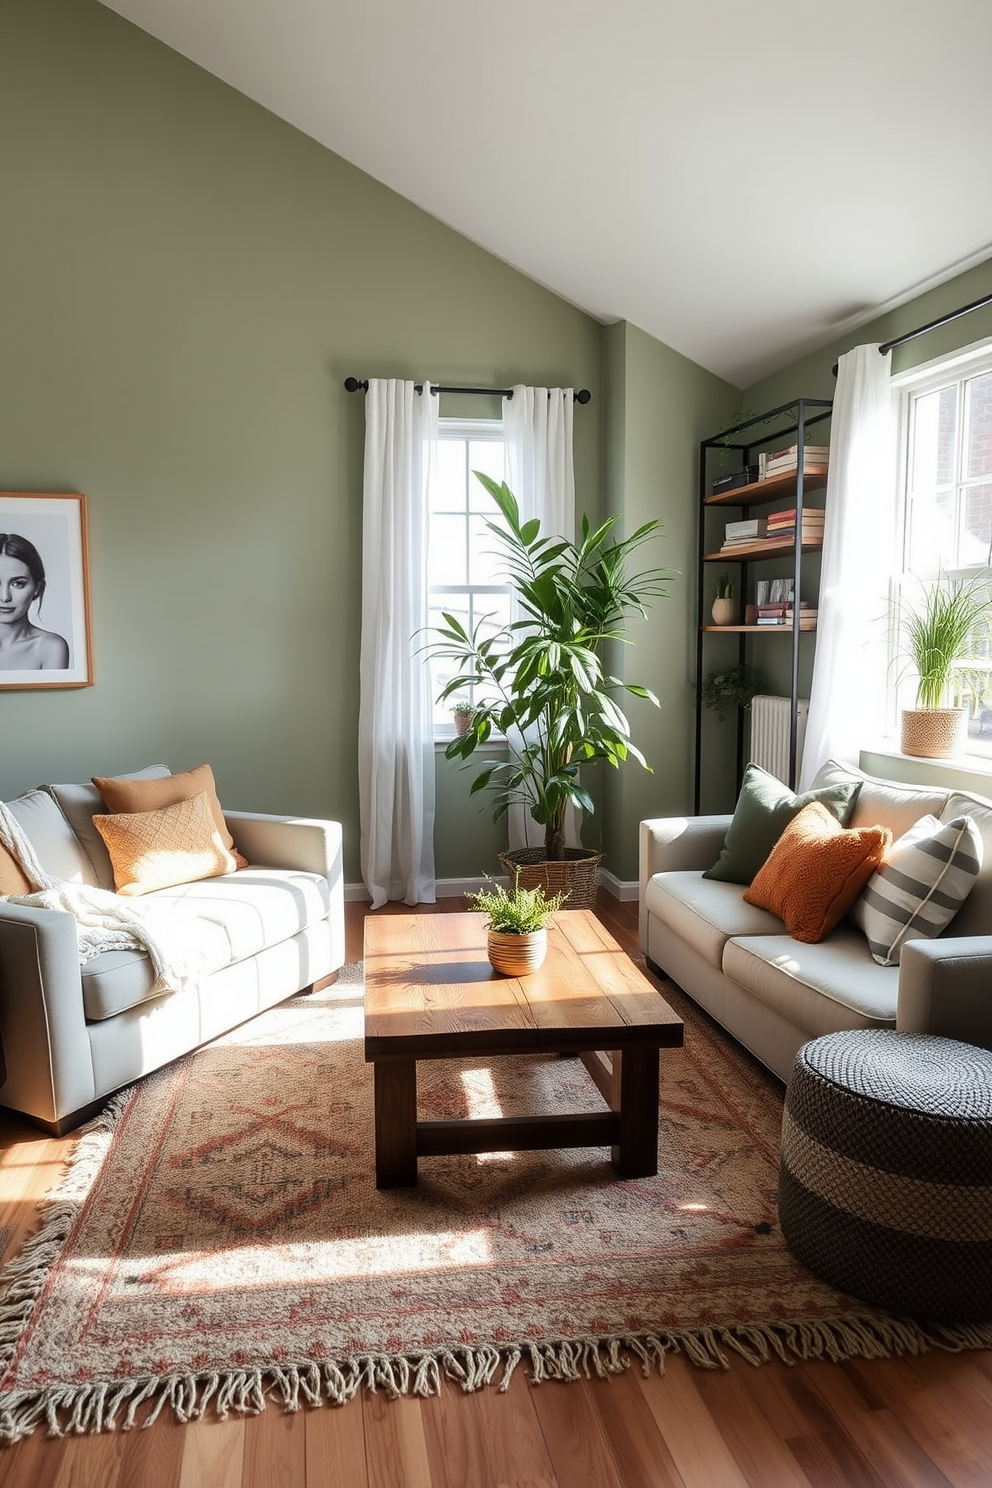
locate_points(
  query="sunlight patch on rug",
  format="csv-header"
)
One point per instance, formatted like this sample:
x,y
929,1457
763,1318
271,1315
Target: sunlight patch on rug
x,y
219,1243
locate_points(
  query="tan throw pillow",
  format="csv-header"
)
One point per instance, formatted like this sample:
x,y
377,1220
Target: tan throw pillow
x,y
12,880
151,795
816,870
158,849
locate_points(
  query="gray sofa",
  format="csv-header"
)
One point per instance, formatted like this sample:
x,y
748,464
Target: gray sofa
x,y
74,1034
774,993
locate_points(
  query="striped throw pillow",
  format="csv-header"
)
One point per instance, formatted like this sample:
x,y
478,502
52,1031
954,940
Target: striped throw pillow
x,y
926,876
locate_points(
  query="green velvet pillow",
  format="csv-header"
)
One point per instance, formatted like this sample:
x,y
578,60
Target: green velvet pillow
x,y
764,809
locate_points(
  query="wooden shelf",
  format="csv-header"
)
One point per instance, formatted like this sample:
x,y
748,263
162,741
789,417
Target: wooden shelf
x,y
765,547
756,629
770,489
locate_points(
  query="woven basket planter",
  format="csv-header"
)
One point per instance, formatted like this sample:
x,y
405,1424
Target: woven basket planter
x,y
934,733
577,876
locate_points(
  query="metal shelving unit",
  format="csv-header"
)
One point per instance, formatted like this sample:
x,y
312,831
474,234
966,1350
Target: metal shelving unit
x,y
744,440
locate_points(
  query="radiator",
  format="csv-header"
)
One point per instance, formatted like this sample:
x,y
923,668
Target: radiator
x,y
770,733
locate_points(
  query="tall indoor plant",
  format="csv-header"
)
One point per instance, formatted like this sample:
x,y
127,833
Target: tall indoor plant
x,y
933,638
541,679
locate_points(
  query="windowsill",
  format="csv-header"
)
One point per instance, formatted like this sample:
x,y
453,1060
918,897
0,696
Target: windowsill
x,y
968,771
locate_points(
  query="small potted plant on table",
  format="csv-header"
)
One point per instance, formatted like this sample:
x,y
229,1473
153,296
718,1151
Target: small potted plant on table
x,y
517,927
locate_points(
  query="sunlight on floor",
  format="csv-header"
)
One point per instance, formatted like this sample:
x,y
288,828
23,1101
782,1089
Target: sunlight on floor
x,y
481,1101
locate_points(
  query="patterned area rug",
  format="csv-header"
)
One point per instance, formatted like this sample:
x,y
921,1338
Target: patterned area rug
x,y
219,1241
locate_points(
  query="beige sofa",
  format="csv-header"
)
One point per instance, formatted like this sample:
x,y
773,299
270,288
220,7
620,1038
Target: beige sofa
x,y
74,1034
774,993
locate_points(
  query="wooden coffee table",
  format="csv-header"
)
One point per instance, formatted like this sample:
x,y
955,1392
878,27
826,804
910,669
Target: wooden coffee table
x,y
430,993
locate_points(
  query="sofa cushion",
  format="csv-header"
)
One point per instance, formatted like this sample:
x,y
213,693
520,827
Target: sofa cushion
x,y
975,915
56,845
821,988
157,849
926,877
80,803
764,809
883,803
240,915
256,907
705,912
816,870
132,795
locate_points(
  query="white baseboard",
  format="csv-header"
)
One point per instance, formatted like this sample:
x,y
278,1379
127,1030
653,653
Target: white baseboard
x,y
454,888
624,891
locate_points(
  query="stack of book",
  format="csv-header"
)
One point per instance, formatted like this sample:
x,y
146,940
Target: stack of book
x,y
750,530
783,524
778,462
783,613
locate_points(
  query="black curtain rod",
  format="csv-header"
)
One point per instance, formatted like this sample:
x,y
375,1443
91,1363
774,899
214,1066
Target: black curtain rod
x,y
361,385
931,325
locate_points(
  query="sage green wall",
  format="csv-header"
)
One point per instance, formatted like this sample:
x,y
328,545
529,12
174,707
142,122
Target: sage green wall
x,y
811,377
657,412
184,283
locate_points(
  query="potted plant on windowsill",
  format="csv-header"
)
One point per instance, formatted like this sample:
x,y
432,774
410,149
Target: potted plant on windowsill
x,y
541,680
933,638
463,713
517,935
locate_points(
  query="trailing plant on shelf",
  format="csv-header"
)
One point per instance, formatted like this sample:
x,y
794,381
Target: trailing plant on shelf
x,y
541,678
730,688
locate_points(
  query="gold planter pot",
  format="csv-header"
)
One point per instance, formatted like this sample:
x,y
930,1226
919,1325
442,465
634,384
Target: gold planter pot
x,y
516,955
934,733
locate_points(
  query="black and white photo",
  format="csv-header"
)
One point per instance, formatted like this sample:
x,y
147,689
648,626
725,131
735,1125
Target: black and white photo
x,y
44,594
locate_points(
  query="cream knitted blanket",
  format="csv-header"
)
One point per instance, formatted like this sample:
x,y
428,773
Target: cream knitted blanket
x,y
105,921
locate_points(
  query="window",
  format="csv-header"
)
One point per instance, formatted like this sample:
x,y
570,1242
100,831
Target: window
x,y
946,441
464,572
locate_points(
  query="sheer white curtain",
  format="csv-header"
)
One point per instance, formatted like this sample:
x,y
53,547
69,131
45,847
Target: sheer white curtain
x,y
395,719
537,433
847,697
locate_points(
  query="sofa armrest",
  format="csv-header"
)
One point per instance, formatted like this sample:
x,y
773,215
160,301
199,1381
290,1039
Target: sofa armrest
x,y
944,988
287,842
307,843
42,1021
670,844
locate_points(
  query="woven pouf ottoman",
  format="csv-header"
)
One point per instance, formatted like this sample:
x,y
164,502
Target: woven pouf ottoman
x,y
885,1181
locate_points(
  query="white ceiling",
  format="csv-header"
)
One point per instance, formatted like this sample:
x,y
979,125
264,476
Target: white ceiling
x,y
744,179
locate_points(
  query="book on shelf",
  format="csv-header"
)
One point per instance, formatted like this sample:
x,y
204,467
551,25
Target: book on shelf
x,y
811,452
788,515
752,527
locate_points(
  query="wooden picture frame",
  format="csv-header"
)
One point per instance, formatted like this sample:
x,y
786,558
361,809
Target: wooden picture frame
x,y
44,591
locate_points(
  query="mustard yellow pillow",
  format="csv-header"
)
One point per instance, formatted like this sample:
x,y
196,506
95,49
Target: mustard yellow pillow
x,y
151,795
816,870
158,849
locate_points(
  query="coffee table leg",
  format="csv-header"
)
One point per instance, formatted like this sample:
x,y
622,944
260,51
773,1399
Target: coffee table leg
x,y
636,1155
395,1123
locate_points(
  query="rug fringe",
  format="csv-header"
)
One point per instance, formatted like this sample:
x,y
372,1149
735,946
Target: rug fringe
x,y
98,1407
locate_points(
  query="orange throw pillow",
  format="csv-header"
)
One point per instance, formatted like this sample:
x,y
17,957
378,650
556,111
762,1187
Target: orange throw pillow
x,y
816,870
151,795
12,880
159,849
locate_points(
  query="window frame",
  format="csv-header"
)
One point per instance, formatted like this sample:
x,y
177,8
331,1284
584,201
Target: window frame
x,y
954,370
467,431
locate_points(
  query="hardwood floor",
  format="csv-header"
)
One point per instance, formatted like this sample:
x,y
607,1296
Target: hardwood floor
x,y
896,1423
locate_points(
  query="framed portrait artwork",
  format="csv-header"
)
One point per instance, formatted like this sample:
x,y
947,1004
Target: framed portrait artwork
x,y
44,591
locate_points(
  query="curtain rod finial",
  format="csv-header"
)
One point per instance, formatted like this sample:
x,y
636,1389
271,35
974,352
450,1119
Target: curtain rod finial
x,y
583,395
354,385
